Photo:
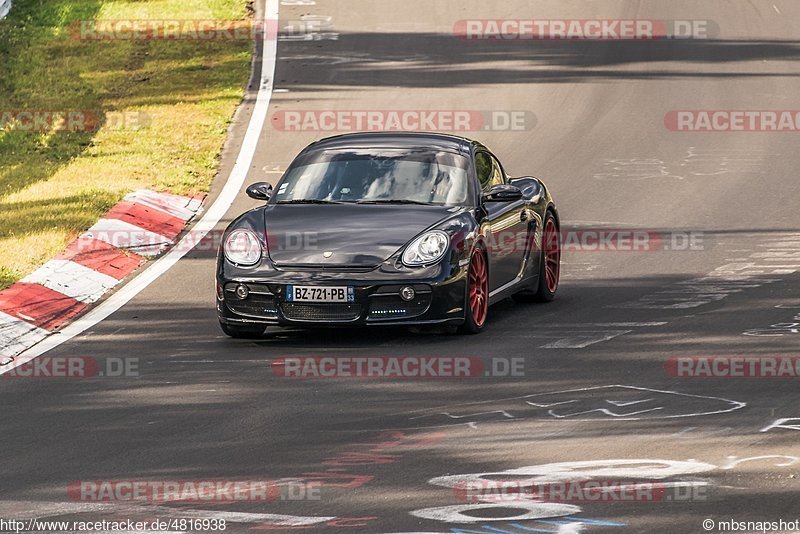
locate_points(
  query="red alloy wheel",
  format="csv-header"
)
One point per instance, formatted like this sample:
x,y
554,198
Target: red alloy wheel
x,y
552,255
478,288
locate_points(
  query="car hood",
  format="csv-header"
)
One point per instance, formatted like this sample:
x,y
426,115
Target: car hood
x,y
351,235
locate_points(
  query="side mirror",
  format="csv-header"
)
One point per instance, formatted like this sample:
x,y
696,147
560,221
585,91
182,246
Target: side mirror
x,y
531,187
260,191
502,193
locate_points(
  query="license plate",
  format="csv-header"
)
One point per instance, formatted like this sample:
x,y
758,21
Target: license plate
x,y
320,294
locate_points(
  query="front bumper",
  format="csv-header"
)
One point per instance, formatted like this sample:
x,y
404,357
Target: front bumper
x,y
377,301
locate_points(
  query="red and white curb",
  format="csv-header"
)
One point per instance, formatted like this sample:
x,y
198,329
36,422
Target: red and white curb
x,y
144,224
211,218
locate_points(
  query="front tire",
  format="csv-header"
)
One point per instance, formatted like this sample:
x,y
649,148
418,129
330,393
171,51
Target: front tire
x,y
476,304
242,331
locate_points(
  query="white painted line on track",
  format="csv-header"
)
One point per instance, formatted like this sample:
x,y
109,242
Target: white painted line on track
x,y
622,324
578,341
205,224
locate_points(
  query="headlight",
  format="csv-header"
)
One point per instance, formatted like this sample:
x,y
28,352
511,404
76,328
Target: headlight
x,y
427,248
242,248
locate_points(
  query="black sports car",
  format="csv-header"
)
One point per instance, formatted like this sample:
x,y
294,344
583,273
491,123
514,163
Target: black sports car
x,y
387,229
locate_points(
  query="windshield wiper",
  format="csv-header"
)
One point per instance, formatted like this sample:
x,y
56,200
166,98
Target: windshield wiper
x,y
394,201
309,201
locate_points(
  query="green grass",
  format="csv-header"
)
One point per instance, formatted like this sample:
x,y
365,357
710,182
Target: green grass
x,y
54,185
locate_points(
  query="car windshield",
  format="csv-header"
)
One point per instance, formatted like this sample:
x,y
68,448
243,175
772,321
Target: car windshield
x,y
376,176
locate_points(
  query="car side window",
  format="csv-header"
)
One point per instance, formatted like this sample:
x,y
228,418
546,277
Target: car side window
x,y
498,176
484,168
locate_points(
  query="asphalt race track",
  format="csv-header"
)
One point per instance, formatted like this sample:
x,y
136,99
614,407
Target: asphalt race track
x,y
597,394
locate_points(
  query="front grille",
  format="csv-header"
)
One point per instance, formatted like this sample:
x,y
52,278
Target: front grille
x,y
255,305
321,312
395,308
259,304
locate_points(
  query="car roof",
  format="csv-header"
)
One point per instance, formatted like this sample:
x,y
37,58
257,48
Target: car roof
x,y
440,141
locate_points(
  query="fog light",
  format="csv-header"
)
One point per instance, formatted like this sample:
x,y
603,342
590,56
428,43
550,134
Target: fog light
x,y
407,293
242,291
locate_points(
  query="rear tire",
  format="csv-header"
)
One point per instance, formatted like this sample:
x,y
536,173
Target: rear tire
x,y
550,269
476,301
243,331
549,266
